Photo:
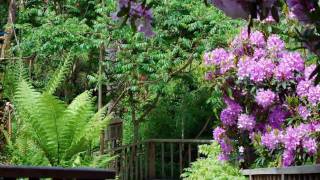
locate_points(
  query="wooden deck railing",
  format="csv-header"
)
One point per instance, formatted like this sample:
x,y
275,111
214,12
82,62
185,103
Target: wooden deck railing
x,y
35,173
310,172
155,158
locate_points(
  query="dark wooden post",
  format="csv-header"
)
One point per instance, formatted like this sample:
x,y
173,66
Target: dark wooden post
x,y
152,160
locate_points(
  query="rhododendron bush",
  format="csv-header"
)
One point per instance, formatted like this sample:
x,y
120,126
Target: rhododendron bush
x,y
272,105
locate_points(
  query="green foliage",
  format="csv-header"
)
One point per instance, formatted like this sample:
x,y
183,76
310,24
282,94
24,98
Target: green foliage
x,y
181,111
210,167
3,15
49,132
168,64
58,76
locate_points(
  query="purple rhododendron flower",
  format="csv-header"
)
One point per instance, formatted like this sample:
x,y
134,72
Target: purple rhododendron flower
x,y
290,63
259,53
288,158
304,112
246,122
226,147
227,64
274,43
277,117
218,133
257,39
261,70
271,139
244,67
223,157
229,115
291,139
215,57
314,95
265,97
303,130
303,88
310,145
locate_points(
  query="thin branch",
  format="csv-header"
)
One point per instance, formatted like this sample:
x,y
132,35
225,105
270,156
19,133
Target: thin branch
x,y
118,99
182,68
203,128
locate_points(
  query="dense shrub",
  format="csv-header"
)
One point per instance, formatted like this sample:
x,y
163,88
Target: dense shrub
x,y
209,167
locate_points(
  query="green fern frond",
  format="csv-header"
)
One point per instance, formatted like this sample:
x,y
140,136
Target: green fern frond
x,y
89,132
52,131
75,117
58,76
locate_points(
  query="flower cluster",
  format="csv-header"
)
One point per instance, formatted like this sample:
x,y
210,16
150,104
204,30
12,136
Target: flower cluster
x,y
307,89
230,114
268,85
265,97
259,60
246,122
292,139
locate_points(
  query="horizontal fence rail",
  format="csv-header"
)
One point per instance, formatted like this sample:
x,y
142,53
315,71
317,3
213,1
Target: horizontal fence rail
x,y
35,173
155,158
309,172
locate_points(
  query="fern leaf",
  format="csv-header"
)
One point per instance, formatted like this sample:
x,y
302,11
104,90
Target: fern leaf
x,y
75,118
58,76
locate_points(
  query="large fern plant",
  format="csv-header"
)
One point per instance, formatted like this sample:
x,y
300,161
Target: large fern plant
x,y
51,132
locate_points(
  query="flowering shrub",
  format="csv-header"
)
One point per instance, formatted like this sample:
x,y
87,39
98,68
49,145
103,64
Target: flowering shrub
x,y
271,103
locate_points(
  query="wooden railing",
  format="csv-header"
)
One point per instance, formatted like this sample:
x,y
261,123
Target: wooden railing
x,y
155,158
35,173
310,172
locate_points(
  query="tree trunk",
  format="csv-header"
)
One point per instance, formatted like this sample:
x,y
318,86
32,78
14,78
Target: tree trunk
x,y
10,29
135,131
101,57
134,119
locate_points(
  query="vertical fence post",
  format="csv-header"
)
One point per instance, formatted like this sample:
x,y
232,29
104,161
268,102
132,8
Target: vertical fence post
x,y
189,154
162,161
152,160
171,159
180,157
146,163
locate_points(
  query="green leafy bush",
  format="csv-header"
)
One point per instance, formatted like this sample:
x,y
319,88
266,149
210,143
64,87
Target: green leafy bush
x,y
210,167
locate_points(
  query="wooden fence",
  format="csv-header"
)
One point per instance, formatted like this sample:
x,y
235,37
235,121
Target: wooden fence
x,y
35,173
155,158
310,172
